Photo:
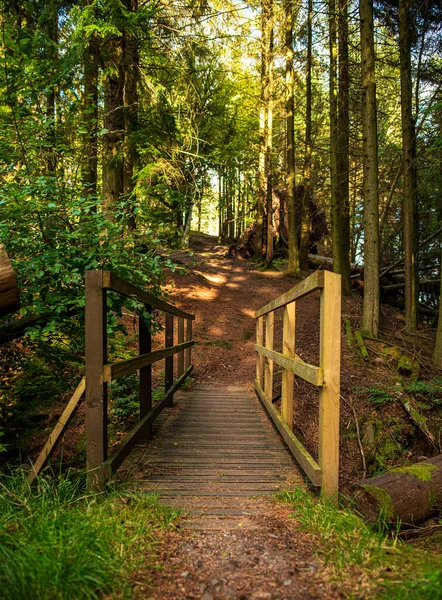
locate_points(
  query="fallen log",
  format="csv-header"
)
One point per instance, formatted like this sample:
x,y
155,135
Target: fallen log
x,y
426,284
17,328
315,261
9,292
407,495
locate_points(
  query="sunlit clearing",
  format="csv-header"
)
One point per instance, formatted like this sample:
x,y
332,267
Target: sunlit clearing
x,y
204,294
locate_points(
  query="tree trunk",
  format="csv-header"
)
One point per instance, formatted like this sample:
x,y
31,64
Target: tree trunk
x,y
90,117
269,136
293,262
407,494
130,61
308,191
113,174
409,212
437,354
9,292
342,147
52,55
334,201
370,313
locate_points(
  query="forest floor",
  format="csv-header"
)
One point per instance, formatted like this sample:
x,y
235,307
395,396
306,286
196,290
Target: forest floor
x,y
267,555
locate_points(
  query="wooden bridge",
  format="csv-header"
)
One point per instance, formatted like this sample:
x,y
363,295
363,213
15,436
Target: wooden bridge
x,y
217,447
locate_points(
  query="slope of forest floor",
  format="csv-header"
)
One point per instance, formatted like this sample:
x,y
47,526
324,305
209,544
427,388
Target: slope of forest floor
x,y
225,292
294,548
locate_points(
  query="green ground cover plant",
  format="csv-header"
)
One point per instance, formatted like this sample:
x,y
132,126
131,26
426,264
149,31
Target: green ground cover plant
x,y
370,562
58,541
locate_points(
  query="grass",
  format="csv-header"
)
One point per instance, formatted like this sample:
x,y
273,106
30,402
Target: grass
x,y
367,562
59,542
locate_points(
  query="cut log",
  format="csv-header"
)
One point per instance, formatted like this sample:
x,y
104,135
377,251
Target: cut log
x,y
427,284
9,292
408,495
315,261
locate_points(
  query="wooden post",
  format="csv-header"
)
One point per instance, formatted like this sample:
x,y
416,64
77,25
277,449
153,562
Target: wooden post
x,y
260,342
188,360
268,365
169,359
180,341
96,388
288,379
145,346
329,400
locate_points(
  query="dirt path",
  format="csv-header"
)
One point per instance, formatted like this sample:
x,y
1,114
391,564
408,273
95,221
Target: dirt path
x,y
224,294
260,554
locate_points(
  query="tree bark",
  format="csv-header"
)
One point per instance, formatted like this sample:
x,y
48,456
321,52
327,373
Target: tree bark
x,y
371,308
336,232
113,174
269,137
307,175
342,146
293,260
9,292
131,57
408,494
437,353
409,211
90,116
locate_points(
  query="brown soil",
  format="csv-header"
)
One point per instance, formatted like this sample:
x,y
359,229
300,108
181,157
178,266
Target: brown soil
x,y
264,557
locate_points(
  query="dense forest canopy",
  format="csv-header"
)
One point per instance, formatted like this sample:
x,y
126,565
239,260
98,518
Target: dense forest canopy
x,y
285,126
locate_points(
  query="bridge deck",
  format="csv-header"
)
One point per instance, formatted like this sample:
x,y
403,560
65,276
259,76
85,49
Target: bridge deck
x,y
215,451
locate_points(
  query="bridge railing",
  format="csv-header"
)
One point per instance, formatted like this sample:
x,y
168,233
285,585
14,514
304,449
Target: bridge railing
x,y
99,373
324,471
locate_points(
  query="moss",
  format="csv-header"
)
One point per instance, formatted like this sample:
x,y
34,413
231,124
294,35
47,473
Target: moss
x,y
422,471
219,343
435,499
417,417
383,499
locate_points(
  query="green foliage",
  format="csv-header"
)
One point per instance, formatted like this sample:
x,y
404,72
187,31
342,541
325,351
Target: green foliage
x,y
356,553
57,541
378,396
125,400
34,379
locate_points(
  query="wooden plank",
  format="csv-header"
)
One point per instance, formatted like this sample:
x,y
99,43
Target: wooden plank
x,y
116,284
312,283
113,371
145,347
180,341
298,367
168,379
260,342
139,430
329,400
268,365
302,456
96,387
58,431
288,349
188,354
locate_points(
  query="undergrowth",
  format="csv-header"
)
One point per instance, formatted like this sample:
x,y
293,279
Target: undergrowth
x,y
58,541
368,561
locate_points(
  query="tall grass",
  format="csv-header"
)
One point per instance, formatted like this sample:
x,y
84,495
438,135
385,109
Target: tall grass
x,y
368,562
59,542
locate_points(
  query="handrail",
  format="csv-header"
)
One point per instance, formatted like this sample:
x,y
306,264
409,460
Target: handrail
x,y
99,372
323,472
309,285
124,288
